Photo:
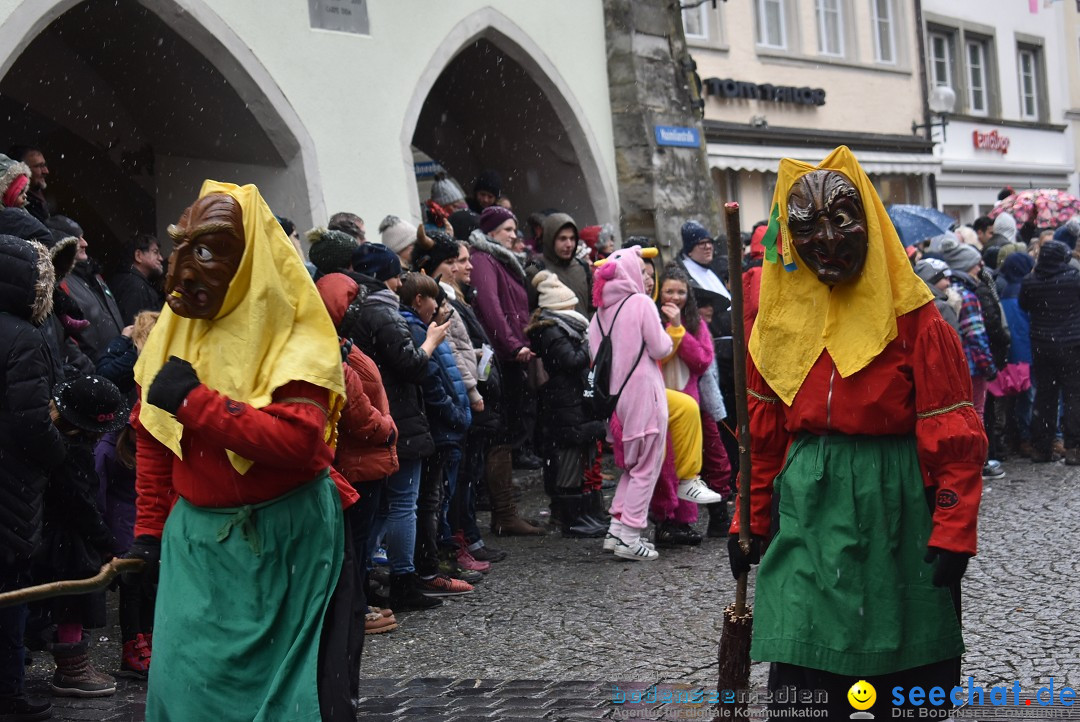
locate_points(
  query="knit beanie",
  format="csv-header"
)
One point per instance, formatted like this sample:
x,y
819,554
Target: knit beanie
x,y
445,191
554,294
693,233
931,270
959,256
493,217
377,261
330,250
1068,233
397,235
488,181
14,176
440,247
464,223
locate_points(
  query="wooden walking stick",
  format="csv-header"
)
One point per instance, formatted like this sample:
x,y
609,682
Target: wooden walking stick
x,y
109,571
734,652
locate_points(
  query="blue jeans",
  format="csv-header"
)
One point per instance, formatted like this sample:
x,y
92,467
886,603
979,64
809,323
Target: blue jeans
x,y
453,469
398,519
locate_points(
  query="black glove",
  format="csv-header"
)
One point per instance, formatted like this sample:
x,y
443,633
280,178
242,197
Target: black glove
x,y
173,383
147,548
740,562
950,566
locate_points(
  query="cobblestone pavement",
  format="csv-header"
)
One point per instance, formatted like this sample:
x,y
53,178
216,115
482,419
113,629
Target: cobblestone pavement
x,y
554,626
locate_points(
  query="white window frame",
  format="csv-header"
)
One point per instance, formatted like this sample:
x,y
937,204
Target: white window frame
x,y
947,43
821,12
886,23
977,76
762,31
703,19
1032,55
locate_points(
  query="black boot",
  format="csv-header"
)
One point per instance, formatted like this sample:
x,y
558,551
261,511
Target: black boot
x,y
405,596
19,708
596,507
568,512
719,521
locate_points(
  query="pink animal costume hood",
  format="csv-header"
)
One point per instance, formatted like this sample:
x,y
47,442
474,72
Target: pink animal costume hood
x,y
642,408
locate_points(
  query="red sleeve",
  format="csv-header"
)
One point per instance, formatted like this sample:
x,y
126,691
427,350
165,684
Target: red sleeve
x,y
345,490
154,493
366,422
769,443
296,419
951,440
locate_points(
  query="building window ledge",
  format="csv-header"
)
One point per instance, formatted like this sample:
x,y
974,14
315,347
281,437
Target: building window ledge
x,y
771,56
1008,123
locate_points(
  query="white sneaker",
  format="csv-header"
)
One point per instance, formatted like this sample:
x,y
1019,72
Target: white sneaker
x,y
639,551
611,541
695,490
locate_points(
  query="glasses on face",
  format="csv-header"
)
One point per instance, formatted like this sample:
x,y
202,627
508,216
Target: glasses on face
x,y
39,166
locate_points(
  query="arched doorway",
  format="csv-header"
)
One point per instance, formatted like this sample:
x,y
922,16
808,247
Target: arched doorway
x,y
135,103
490,100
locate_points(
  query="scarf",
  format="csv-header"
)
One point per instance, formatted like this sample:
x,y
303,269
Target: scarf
x,y
272,329
799,316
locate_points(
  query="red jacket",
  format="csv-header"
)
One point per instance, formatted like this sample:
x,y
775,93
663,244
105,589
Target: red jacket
x,y
919,385
283,439
367,436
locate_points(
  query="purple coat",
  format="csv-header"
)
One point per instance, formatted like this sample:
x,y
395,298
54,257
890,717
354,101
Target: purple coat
x,y
502,305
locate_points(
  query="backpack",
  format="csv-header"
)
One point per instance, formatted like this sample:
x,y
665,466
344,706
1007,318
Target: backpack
x,y
600,401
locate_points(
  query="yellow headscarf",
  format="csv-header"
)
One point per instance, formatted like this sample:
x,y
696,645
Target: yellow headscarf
x,y
272,329
800,316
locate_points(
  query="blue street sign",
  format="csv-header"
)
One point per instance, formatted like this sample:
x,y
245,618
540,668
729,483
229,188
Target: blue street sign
x,y
678,136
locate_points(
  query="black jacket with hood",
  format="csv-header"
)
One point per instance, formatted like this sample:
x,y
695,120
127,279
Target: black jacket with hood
x,y
575,273
30,445
1051,296
383,334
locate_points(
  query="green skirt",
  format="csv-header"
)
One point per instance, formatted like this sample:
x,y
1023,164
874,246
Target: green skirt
x,y
843,586
240,608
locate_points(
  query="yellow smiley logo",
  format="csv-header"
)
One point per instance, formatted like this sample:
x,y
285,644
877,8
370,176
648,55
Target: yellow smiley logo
x,y
862,695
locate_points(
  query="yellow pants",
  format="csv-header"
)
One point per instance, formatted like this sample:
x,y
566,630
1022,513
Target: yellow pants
x,y
684,430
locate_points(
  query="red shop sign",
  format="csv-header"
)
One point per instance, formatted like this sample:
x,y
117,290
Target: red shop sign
x,y
990,141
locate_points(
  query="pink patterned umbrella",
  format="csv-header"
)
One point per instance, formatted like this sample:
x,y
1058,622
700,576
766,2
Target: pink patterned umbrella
x,y
1046,207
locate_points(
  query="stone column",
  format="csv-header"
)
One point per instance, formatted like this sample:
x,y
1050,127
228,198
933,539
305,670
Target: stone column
x,y
660,187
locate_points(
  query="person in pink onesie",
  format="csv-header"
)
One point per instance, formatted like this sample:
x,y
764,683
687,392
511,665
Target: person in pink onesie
x,y
638,427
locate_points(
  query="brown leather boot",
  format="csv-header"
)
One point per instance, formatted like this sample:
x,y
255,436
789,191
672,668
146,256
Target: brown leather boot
x,y
75,676
504,517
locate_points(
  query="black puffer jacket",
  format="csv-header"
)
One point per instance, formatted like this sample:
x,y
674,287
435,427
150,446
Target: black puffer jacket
x,y
30,446
382,333
134,293
1051,296
562,345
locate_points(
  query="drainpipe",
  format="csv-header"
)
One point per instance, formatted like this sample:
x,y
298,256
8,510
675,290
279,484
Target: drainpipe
x,y
924,87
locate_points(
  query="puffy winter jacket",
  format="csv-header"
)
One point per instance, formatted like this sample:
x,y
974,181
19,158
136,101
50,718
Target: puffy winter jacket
x,y
446,402
490,419
382,333
562,346
30,445
1051,296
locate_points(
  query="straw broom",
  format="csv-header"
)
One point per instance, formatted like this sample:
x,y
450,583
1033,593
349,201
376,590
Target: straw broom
x,y
109,571
734,652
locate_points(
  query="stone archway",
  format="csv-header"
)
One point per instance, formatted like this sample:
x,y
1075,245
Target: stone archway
x,y
490,98
132,121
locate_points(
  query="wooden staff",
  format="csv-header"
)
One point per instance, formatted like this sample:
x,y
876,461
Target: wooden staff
x,y
109,571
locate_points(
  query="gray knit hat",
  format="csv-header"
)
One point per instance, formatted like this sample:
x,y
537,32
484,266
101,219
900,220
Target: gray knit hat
x,y
445,191
959,256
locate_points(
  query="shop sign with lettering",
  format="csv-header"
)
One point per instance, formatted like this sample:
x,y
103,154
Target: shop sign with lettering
x,y
990,141
738,89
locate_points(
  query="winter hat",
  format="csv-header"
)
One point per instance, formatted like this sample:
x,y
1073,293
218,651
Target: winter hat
x,y
439,247
1005,225
1069,232
931,270
330,250
959,256
397,235
65,225
554,294
493,217
1016,266
464,223
377,261
489,181
14,176
445,191
91,403
693,233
